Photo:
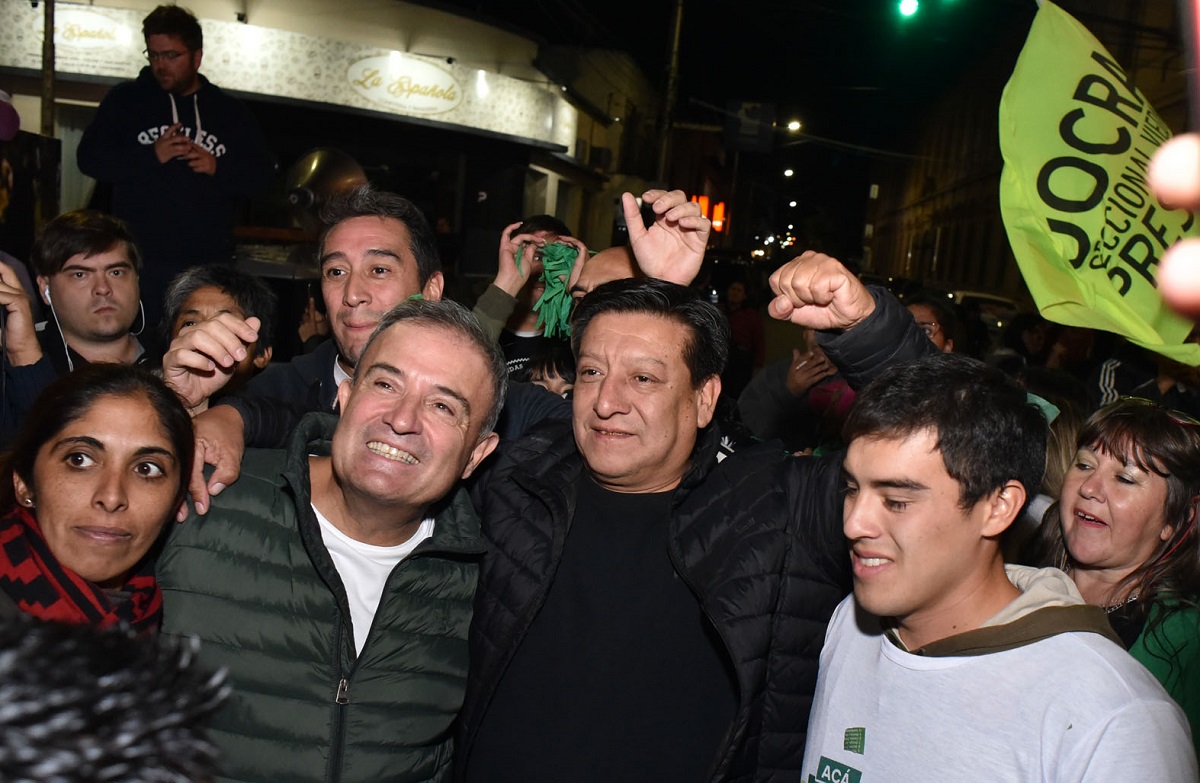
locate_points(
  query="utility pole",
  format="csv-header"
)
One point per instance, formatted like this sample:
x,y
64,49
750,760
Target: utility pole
x,y
48,69
666,118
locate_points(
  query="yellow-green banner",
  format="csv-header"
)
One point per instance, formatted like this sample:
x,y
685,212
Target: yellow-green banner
x,y
1077,136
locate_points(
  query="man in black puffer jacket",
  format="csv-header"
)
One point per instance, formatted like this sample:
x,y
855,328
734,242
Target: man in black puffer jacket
x,y
651,607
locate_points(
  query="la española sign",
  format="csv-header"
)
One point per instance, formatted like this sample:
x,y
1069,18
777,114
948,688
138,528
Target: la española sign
x,y
405,84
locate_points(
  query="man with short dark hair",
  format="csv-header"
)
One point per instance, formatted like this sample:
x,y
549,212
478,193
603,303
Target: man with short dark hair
x,y
652,605
87,276
376,251
945,664
334,580
179,152
88,269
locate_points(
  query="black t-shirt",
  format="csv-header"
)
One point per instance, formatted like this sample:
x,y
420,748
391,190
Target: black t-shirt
x,y
621,676
518,350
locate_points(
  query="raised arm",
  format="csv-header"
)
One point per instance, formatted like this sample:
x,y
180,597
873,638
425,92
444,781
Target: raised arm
x,y
816,291
862,331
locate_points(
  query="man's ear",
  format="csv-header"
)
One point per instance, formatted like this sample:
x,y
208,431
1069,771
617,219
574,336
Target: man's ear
x,y
43,285
343,394
1003,506
433,287
197,56
480,452
706,400
948,347
264,359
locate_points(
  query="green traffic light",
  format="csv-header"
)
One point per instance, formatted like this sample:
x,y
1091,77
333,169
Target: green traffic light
x,y
908,7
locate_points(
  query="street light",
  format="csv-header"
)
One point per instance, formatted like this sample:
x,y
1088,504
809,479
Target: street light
x,y
908,7
794,126
788,172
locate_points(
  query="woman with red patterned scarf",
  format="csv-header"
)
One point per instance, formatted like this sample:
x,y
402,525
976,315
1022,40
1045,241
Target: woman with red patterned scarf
x,y
99,467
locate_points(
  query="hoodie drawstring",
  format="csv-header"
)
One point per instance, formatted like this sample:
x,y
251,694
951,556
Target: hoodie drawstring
x,y
195,110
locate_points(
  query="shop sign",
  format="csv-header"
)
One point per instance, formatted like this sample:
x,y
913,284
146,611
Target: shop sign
x,y
405,84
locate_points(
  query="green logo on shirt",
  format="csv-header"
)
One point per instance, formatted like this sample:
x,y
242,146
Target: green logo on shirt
x,y
829,771
855,740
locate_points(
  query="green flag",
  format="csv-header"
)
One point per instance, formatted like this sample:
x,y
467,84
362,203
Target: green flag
x,y
1077,136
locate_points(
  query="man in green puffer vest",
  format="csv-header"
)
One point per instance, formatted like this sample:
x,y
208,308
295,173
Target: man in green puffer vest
x,y
335,580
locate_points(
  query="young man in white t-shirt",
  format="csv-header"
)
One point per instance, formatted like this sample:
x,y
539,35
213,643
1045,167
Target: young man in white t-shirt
x,y
945,664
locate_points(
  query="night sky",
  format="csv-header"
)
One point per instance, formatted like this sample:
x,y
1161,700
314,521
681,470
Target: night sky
x,y
855,72
840,65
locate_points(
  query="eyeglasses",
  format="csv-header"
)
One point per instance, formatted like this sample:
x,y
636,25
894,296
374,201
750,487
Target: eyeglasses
x,y
169,57
929,328
1179,417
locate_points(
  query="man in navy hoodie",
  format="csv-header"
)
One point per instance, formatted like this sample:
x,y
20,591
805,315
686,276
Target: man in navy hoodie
x,y
180,155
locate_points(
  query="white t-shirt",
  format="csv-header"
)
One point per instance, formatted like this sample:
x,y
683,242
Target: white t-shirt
x,y
364,570
1072,707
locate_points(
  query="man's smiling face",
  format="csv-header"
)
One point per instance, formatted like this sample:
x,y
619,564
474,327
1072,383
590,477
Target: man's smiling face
x,y
367,268
410,424
636,409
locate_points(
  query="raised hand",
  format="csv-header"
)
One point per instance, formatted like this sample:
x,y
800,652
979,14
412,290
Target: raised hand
x,y
511,277
201,360
20,339
806,370
220,441
816,291
172,144
673,247
313,322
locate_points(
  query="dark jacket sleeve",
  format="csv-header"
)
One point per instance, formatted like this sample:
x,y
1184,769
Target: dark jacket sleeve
x,y
273,402
889,336
268,423
22,386
526,405
765,405
108,150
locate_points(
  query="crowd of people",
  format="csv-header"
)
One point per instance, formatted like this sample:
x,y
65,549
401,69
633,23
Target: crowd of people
x,y
582,532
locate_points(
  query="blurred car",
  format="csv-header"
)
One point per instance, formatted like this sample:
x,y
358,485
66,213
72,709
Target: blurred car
x,y
995,310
